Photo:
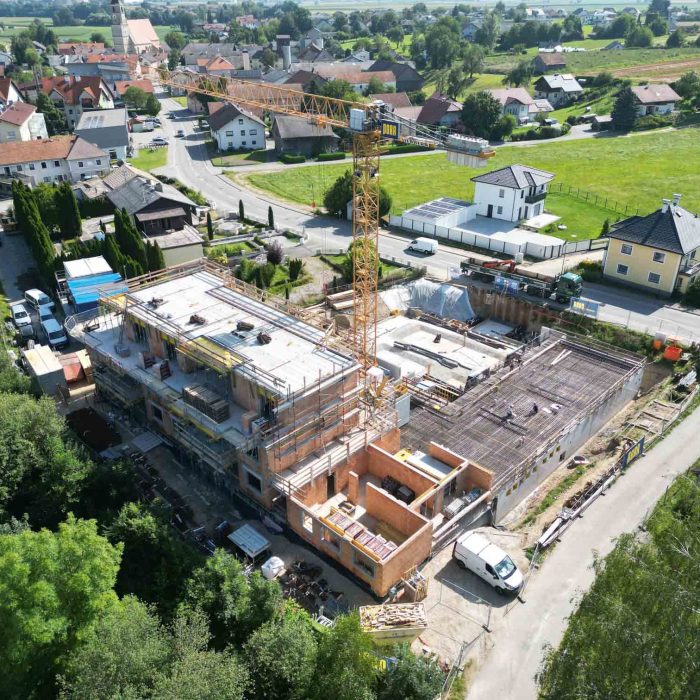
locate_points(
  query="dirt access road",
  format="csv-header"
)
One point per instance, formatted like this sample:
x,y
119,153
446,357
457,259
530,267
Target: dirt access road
x,y
661,70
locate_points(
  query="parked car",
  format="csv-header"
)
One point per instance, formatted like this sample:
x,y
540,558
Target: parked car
x,y
180,132
45,313
55,335
424,245
488,561
160,141
20,316
36,298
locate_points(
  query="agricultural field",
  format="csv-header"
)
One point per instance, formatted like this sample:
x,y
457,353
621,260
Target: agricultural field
x,y
628,63
14,25
614,168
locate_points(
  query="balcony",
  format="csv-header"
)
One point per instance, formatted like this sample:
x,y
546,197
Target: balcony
x,y
534,198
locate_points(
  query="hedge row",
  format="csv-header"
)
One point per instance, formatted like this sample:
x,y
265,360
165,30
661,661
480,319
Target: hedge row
x,y
340,155
291,159
404,148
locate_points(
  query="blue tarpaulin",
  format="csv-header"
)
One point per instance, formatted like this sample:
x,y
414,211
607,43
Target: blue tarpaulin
x,y
86,290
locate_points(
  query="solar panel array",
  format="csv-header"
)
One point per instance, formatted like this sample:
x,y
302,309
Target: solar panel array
x,y
437,208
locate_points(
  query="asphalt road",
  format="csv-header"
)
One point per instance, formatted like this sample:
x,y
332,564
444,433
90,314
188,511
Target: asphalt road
x,y
188,162
512,663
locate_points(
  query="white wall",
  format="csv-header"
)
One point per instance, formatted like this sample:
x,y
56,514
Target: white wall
x,y
51,172
241,132
666,108
34,128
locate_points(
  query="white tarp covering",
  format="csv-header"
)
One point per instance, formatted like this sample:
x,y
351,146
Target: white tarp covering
x,y
444,300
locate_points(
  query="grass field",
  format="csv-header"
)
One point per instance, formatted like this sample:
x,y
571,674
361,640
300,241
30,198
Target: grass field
x,y
150,158
14,25
636,170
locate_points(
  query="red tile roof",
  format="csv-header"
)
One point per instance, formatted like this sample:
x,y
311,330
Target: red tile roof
x,y
17,113
79,47
123,85
69,147
71,89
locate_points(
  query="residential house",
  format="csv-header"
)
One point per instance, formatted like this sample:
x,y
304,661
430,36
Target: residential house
x,y
60,158
314,54
21,122
601,18
558,89
108,129
359,79
234,129
215,66
470,29
161,213
406,77
9,92
247,22
121,86
359,56
514,101
439,110
513,193
655,99
397,100
182,77
659,252
110,67
6,58
239,58
75,95
614,45
535,14
632,12
80,48
303,80
546,62
299,136
313,37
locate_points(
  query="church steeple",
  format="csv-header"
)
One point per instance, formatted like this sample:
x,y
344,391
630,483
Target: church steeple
x,y
120,28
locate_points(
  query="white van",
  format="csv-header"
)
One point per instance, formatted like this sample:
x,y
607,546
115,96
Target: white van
x,y
489,562
54,333
424,245
36,298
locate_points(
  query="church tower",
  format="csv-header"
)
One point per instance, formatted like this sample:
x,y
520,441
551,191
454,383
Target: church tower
x,y
120,28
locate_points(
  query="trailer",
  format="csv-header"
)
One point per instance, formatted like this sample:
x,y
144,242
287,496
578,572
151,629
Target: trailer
x,y
514,279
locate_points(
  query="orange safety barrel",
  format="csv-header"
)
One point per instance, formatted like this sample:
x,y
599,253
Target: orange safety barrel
x,y
673,353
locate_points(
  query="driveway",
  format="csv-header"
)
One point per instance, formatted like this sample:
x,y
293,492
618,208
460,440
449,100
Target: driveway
x,y
566,573
15,260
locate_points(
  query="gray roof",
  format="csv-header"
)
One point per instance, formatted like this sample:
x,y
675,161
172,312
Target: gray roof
x,y
297,128
561,81
209,50
139,192
516,177
104,127
228,113
676,230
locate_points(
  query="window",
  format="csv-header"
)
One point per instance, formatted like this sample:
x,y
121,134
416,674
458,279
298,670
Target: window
x,y
622,269
157,412
254,142
19,168
626,249
243,142
47,179
255,482
7,170
253,132
501,194
654,277
363,563
81,164
659,257
32,166
522,194
43,166
499,210
56,164
229,133
98,162
240,121
242,132
11,135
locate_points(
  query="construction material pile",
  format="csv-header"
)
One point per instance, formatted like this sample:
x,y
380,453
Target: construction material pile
x,y
378,618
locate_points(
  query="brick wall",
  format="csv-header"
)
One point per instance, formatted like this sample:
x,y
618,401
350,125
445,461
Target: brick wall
x,y
386,508
383,464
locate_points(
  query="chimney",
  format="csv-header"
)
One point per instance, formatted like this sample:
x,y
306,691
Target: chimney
x,y
676,199
664,205
246,60
319,42
286,57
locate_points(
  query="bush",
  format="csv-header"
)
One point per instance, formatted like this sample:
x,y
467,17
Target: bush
x,y
404,148
296,267
590,270
652,121
322,157
275,254
565,129
291,159
692,296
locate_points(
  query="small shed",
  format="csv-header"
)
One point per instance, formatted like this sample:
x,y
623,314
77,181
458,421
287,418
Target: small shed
x,y
44,369
86,267
300,136
249,541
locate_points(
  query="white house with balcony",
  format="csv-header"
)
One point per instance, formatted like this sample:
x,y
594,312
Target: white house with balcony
x,y
655,99
512,193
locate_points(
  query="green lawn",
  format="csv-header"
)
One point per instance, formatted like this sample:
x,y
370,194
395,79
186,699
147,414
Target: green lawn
x,y
600,105
236,158
181,100
636,171
150,158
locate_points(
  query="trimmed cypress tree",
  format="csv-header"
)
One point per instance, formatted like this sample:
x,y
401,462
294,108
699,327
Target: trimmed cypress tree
x,y
241,210
270,217
69,221
155,257
210,227
112,253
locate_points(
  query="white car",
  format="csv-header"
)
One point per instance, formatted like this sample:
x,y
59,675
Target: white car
x,y
54,333
159,141
36,298
20,317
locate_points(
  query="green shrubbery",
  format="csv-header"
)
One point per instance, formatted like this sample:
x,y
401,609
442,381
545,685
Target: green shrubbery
x,y
291,158
653,121
339,155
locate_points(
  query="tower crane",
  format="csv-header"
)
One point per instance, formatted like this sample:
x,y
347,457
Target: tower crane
x,y
370,124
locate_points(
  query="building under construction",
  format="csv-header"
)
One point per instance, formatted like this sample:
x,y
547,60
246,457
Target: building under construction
x,y
265,405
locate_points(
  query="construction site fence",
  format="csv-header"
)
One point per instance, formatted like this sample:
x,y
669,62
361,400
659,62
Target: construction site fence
x,y
597,200
606,480
487,243
456,668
